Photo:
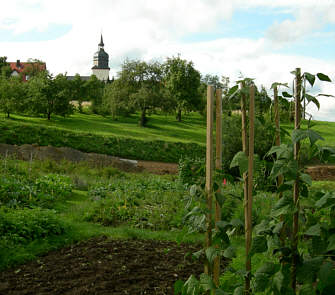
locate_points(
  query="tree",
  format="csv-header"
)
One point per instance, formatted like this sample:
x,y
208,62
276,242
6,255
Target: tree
x,y
49,96
61,93
182,81
94,93
5,69
78,91
11,94
143,86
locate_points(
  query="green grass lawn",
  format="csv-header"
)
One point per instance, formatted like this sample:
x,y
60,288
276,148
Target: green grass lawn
x,y
160,127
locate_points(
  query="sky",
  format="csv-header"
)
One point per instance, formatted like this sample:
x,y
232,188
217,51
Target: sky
x,y
259,39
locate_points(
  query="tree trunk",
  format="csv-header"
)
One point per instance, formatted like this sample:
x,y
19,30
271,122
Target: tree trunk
x,y
179,115
49,116
143,119
8,115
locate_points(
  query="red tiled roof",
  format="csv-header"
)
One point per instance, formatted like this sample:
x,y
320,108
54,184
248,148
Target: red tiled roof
x,y
21,66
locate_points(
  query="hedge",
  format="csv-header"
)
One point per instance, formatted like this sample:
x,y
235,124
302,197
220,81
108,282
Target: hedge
x,y
157,150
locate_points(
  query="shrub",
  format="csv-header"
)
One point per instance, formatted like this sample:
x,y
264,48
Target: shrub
x,y
15,133
21,226
232,142
19,190
144,202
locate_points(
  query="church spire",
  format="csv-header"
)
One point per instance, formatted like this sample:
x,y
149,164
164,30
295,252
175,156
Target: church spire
x,y
101,44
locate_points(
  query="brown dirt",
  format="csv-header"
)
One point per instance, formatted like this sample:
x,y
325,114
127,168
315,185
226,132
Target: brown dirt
x,y
322,172
105,266
29,152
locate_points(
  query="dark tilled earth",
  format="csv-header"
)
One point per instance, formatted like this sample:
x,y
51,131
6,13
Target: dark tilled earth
x,y
105,266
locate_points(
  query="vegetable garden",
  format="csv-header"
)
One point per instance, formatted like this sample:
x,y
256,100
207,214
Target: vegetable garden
x,y
249,223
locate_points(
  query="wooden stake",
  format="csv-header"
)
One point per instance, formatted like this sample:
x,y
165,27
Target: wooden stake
x,y
297,119
280,179
250,186
218,166
244,149
209,171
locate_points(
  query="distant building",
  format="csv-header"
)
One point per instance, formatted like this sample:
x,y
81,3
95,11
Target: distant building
x,y
26,69
84,78
100,62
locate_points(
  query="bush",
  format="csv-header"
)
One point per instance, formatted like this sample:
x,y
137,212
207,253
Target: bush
x,y
190,170
232,142
15,133
21,226
143,202
19,190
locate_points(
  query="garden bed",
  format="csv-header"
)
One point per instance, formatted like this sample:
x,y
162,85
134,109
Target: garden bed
x,y
105,266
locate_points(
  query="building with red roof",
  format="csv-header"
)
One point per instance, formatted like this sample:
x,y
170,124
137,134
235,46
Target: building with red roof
x,y
26,69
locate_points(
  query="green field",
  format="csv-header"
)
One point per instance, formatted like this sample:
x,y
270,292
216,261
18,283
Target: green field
x,y
160,127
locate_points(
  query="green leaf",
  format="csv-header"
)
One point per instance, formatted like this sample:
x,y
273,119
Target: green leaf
x,y
331,243
198,253
211,253
306,178
286,94
323,77
314,230
278,227
220,197
229,252
327,95
239,291
232,91
310,78
263,275
235,222
298,135
311,98
220,292
276,84
268,268
282,151
206,282
240,160
313,136
259,245
307,290
326,201
193,190
283,206
327,274
306,272
192,285
178,287
278,281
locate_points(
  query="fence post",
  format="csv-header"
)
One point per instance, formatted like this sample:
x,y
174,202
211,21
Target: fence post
x,y
250,186
209,172
218,166
297,118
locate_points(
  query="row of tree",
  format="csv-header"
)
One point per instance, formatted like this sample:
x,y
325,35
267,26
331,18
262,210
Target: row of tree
x,y
174,86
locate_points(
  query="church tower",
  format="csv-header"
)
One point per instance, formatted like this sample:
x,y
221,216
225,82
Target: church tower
x,y
100,62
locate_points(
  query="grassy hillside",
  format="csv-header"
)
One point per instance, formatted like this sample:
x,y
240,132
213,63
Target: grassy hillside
x,y
325,129
160,127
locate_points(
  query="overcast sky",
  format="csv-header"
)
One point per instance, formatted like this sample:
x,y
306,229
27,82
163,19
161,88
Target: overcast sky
x,y
261,39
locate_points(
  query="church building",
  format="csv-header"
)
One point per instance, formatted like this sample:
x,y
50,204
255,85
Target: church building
x,y
101,62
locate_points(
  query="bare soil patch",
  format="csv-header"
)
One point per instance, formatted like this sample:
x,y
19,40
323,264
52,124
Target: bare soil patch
x,y
321,172
105,266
